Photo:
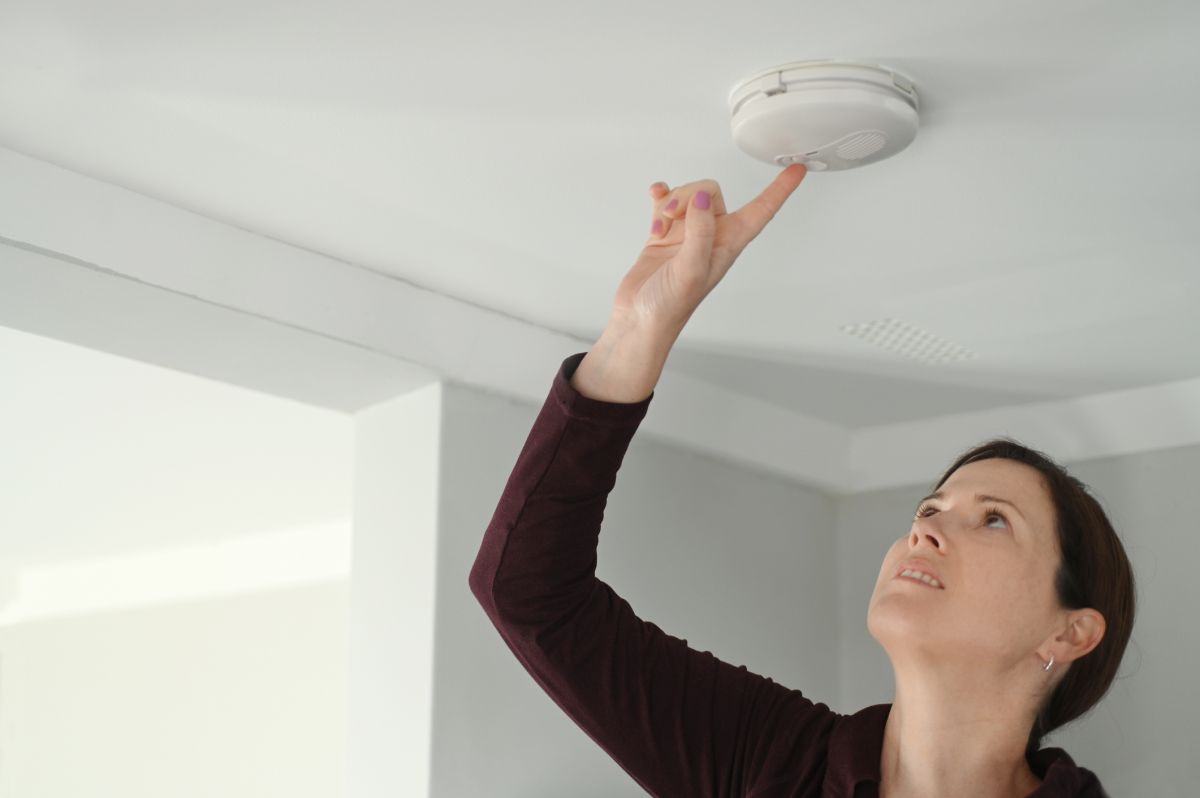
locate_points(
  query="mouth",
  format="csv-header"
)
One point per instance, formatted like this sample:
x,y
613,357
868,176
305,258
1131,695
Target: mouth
x,y
923,579
921,570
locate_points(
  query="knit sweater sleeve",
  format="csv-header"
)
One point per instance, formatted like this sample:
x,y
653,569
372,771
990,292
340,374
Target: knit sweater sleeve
x,y
680,722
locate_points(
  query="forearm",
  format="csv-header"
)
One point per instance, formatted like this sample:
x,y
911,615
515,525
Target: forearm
x,y
624,364
538,555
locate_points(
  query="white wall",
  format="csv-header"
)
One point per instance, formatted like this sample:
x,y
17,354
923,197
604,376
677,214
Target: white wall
x,y
736,562
101,455
173,583
242,696
392,609
1142,738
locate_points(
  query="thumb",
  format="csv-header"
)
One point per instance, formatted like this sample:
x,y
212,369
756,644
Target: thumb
x,y
699,228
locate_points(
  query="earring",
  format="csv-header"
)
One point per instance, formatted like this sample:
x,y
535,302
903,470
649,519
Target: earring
x,y
1049,664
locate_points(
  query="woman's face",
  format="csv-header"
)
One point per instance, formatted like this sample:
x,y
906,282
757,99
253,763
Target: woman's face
x,y
997,602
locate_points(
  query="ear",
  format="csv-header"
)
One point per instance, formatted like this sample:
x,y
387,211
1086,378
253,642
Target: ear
x,y
1084,631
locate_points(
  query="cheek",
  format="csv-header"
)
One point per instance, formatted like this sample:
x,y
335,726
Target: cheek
x,y
891,559
1008,603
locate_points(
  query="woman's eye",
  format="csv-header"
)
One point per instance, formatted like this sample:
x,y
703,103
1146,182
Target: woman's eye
x,y
989,513
997,515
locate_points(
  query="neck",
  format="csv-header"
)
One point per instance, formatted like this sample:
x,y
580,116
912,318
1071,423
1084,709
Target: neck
x,y
953,731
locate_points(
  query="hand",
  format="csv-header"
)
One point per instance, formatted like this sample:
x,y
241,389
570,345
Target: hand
x,y
680,265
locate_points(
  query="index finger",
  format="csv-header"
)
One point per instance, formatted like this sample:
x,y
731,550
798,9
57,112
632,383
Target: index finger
x,y
754,215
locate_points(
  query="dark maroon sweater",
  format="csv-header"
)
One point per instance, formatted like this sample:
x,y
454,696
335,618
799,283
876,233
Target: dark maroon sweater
x,y
681,722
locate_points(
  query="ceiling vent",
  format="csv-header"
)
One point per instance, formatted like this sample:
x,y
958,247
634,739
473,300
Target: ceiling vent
x,y
828,115
909,341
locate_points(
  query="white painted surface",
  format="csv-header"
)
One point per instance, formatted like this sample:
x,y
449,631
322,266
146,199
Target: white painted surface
x,y
1042,216
184,572
392,603
452,194
366,345
104,456
239,695
358,330
173,582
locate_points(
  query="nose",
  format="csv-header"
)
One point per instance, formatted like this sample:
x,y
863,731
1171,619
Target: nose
x,y
922,529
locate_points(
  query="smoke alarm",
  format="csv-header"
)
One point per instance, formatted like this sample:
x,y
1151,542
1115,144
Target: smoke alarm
x,y
827,115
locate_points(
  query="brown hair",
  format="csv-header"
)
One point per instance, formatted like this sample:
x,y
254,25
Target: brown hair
x,y
1094,572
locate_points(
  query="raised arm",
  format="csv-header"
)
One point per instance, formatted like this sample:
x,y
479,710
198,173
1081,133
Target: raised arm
x,y
681,722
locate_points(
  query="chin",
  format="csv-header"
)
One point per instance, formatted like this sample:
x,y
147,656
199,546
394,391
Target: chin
x,y
905,633
892,618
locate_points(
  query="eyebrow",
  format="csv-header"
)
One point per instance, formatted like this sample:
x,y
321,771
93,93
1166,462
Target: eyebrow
x,y
981,497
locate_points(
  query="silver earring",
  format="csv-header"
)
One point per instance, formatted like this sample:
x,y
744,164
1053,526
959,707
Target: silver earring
x,y
1049,664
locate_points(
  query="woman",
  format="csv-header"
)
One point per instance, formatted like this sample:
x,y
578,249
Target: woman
x,y
1005,609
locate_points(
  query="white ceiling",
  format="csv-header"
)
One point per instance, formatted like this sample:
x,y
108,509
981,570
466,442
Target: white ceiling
x,y
1043,218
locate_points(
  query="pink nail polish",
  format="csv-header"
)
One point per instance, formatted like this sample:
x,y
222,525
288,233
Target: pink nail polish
x,y
671,205
702,199
656,228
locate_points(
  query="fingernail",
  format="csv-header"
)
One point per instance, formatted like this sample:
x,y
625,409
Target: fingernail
x,y
702,199
671,205
656,228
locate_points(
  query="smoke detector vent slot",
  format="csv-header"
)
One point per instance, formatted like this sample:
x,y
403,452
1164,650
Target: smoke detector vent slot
x,y
860,145
910,341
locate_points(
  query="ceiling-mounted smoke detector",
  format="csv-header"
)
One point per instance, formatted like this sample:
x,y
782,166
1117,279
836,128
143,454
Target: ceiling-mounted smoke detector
x,y
827,115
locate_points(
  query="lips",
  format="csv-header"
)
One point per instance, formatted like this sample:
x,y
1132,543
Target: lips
x,y
922,566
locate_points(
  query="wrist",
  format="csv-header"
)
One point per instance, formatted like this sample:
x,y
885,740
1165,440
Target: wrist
x,y
624,364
